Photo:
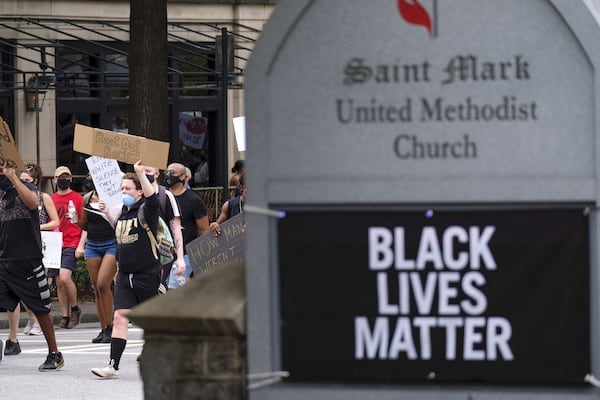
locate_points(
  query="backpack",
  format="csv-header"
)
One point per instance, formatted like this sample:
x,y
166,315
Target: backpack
x,y
162,199
163,246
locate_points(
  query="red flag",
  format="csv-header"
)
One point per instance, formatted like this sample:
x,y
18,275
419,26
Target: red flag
x,y
415,13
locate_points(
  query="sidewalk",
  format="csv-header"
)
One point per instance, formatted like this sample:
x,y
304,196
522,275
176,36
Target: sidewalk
x,y
88,314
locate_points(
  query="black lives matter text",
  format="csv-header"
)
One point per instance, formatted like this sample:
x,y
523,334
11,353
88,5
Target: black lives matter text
x,y
439,291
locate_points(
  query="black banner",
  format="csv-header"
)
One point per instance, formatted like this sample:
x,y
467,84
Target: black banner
x,y
446,296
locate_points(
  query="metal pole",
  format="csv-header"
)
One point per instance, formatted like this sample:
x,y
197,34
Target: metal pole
x,y
37,125
222,137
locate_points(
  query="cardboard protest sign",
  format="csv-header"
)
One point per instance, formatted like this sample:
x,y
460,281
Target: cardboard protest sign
x,y
208,251
123,147
51,249
8,147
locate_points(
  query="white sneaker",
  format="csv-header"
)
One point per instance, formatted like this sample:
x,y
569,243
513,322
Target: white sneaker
x,y
106,372
28,327
36,330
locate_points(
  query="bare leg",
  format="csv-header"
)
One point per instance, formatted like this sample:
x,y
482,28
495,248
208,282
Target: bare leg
x,y
62,295
106,274
67,291
121,324
93,266
13,323
48,329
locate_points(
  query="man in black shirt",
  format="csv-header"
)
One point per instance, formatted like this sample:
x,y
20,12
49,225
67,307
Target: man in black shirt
x,y
22,275
194,218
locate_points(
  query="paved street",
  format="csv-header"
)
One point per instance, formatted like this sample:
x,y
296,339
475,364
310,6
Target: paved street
x,y
20,378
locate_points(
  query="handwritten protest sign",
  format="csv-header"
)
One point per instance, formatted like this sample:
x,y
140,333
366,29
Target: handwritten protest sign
x,y
208,251
123,147
8,147
51,249
107,177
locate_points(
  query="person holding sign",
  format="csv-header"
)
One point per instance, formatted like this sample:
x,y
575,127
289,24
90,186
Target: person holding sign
x,y
22,274
48,219
138,276
100,257
48,222
231,208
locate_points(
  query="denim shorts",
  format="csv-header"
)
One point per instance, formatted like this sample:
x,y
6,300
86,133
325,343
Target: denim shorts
x,y
95,249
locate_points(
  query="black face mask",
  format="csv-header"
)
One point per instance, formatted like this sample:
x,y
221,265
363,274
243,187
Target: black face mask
x,y
150,178
63,183
171,180
88,184
5,183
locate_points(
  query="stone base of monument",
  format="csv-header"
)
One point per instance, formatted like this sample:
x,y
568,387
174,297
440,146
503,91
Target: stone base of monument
x,y
195,338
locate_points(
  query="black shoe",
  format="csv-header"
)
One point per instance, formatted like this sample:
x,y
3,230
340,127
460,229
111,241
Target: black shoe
x,y
107,334
53,362
98,339
12,348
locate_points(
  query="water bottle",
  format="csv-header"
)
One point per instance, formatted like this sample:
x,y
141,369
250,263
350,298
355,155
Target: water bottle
x,y
179,279
72,212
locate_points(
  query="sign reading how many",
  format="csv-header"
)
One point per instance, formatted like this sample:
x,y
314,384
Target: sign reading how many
x,y
209,251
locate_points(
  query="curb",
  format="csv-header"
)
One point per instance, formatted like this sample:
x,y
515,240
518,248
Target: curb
x,y
88,314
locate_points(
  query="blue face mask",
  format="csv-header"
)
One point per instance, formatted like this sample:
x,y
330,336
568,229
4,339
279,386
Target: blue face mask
x,y
128,200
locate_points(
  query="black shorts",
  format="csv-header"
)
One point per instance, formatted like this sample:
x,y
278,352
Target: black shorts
x,y
67,261
24,280
133,289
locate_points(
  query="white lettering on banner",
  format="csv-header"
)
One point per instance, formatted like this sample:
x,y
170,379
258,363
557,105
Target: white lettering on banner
x,y
387,248
423,292
449,298
482,338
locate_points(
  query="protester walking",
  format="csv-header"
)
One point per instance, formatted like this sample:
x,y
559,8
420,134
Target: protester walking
x,y
169,210
138,276
68,205
194,218
22,275
100,256
48,219
48,222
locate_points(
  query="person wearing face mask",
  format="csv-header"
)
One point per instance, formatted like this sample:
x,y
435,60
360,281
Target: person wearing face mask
x,y
169,211
194,217
138,277
48,218
21,271
100,256
73,247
